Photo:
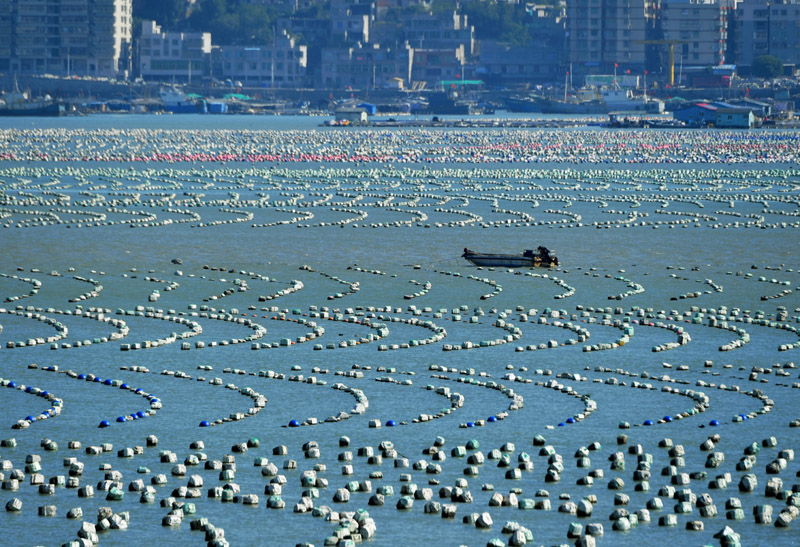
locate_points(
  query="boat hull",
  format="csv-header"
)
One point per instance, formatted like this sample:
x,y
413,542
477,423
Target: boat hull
x,y
486,260
559,107
187,108
50,110
600,107
525,104
501,261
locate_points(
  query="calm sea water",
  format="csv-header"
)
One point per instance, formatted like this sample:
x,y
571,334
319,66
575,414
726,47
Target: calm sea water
x,y
597,262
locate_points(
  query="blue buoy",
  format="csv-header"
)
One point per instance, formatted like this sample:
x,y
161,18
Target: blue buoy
x,y
138,390
81,376
294,423
122,419
743,416
30,419
667,418
97,379
104,423
44,394
491,419
205,423
648,422
28,389
141,414
12,384
134,416
107,382
390,423
562,424
570,420
124,386
714,422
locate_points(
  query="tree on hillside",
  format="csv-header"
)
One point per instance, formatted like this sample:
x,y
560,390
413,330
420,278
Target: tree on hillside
x,y
232,23
167,13
492,20
767,66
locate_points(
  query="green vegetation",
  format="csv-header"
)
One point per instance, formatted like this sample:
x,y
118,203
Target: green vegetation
x,y
228,21
234,23
767,66
245,23
492,20
168,13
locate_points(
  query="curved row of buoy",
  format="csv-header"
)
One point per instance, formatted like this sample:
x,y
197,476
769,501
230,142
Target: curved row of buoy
x,y
33,282
497,288
56,403
149,312
98,287
570,290
702,400
243,216
154,402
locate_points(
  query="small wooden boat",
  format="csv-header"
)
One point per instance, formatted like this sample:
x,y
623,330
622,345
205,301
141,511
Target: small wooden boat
x,y
541,257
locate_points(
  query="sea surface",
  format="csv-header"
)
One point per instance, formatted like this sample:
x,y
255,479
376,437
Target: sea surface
x,y
675,307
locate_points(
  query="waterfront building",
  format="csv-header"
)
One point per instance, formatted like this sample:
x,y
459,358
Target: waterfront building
x,y
697,114
365,67
539,61
173,56
740,118
281,64
433,32
505,65
432,66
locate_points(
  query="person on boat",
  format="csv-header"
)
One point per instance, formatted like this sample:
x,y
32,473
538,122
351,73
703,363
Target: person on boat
x,y
543,252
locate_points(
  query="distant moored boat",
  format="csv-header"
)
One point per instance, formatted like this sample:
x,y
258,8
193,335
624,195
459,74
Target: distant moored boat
x,y
17,103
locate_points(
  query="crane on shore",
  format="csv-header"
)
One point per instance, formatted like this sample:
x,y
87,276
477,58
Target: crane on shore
x,y
671,58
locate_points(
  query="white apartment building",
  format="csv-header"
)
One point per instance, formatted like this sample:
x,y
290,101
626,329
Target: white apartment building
x,y
784,30
700,29
605,33
281,64
767,27
173,56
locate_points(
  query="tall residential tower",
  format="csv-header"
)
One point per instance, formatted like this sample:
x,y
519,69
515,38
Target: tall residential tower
x,y
66,37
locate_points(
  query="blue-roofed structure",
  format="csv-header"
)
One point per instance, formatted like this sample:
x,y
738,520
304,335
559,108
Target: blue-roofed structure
x,y
697,114
760,109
